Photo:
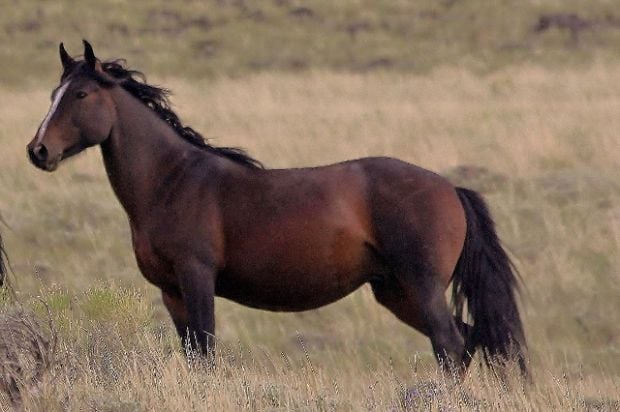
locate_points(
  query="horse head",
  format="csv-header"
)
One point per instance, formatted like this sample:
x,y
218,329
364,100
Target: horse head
x,y
81,114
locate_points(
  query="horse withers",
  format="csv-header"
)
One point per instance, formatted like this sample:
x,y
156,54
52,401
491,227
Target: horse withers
x,y
211,221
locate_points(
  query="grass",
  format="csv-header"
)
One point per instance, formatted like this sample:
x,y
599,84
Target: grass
x,y
201,39
540,144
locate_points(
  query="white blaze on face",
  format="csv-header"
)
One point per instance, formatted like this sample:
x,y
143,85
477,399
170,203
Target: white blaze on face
x,y
51,112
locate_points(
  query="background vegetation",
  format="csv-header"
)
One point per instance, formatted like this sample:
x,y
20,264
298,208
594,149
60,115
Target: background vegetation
x,y
465,88
198,39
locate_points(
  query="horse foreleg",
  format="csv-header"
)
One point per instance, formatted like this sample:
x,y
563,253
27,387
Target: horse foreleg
x,y
197,284
178,313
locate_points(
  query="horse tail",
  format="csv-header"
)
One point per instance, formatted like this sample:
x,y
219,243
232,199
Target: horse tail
x,y
487,279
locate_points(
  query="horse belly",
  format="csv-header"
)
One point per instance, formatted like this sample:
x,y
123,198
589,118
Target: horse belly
x,y
297,274
291,292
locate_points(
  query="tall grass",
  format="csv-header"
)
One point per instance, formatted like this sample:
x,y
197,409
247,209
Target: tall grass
x,y
541,144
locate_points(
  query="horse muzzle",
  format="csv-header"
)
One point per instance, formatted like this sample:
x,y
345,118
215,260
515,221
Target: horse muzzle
x,y
39,156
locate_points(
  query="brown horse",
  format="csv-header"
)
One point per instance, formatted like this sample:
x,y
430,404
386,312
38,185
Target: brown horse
x,y
209,221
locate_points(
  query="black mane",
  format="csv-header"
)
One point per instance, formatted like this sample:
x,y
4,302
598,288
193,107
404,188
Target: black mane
x,y
156,98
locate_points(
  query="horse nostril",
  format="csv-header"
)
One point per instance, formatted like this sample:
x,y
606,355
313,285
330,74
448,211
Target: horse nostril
x,y
40,152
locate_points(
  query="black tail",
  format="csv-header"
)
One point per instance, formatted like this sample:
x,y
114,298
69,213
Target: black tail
x,y
485,278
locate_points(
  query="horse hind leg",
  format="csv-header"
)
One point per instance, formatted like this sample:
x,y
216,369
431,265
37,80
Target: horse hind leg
x,y
467,332
421,304
440,326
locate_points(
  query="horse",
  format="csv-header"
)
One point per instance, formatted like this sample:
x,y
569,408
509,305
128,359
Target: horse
x,y
212,221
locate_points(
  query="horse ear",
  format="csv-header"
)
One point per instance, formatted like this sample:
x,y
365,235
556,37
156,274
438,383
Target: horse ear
x,y
89,56
65,59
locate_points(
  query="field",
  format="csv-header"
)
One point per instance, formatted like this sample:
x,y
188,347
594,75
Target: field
x,y
539,138
211,38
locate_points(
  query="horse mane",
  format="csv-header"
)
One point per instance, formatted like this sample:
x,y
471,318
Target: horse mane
x,y
157,99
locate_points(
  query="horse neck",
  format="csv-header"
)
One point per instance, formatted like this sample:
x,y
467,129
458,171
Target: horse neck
x,y
141,151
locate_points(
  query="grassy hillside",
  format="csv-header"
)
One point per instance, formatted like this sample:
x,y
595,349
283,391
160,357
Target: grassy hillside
x,y
231,37
541,145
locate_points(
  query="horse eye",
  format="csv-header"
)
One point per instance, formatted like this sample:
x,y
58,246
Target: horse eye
x,y
80,94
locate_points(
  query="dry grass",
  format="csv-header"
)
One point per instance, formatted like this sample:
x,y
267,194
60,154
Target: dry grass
x,y
204,38
545,150
26,355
